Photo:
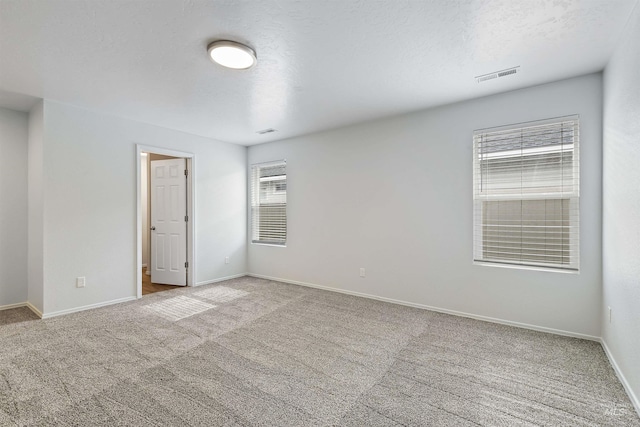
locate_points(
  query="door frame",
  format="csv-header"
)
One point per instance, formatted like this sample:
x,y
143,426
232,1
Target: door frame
x,y
191,224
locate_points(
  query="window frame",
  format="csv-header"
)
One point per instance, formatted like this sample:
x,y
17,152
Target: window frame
x,y
482,197
255,203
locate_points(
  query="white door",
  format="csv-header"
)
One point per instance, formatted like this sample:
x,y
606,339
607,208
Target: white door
x,y
168,222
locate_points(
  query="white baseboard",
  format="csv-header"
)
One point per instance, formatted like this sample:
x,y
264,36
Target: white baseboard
x,y
222,279
627,387
10,306
437,309
86,307
144,265
34,309
22,304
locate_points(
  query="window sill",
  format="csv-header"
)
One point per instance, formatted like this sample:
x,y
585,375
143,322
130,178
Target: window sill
x,y
525,267
269,244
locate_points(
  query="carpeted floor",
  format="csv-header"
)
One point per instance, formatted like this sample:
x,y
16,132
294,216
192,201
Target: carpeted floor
x,y
255,352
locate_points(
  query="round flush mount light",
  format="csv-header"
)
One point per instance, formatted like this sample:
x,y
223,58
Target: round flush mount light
x,y
232,55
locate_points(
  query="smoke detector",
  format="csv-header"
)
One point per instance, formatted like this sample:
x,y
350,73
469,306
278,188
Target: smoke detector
x,y
497,74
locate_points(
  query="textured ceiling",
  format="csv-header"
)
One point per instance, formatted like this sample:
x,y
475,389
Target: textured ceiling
x,y
321,64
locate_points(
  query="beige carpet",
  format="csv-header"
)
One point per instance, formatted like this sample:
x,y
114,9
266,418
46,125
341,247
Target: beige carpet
x,y
255,352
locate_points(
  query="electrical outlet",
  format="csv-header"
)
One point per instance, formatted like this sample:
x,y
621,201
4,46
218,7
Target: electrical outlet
x,y
226,260
609,314
80,282
362,272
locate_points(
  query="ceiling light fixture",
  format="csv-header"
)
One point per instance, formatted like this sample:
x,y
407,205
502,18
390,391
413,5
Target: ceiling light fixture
x,y
232,55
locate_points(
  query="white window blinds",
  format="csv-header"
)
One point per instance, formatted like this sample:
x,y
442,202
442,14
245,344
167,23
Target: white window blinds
x,y
269,203
526,194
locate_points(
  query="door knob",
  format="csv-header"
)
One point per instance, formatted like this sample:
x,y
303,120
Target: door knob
x,y
153,228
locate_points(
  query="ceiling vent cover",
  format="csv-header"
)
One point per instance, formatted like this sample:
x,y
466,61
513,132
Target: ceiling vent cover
x,y
497,74
265,131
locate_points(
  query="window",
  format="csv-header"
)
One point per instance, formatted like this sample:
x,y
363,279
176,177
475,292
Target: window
x,y
269,203
526,182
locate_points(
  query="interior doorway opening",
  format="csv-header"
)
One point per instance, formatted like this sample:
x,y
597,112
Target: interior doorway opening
x,y
165,237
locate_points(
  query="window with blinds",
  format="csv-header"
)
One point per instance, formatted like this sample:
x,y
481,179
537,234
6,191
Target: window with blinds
x,y
269,203
526,182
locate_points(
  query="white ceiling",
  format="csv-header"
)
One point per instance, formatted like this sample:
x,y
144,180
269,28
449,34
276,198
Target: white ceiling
x,y
17,101
321,64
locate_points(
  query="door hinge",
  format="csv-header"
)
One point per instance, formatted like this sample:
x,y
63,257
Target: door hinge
x,y
186,218
186,172
186,264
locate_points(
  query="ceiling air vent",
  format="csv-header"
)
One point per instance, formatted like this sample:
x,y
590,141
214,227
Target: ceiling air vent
x,y
265,131
487,77
497,74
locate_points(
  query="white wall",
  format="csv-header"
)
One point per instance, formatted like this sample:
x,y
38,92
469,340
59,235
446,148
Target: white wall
x,y
35,195
13,207
90,204
621,206
394,196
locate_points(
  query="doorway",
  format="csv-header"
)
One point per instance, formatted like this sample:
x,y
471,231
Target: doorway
x,y
165,220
